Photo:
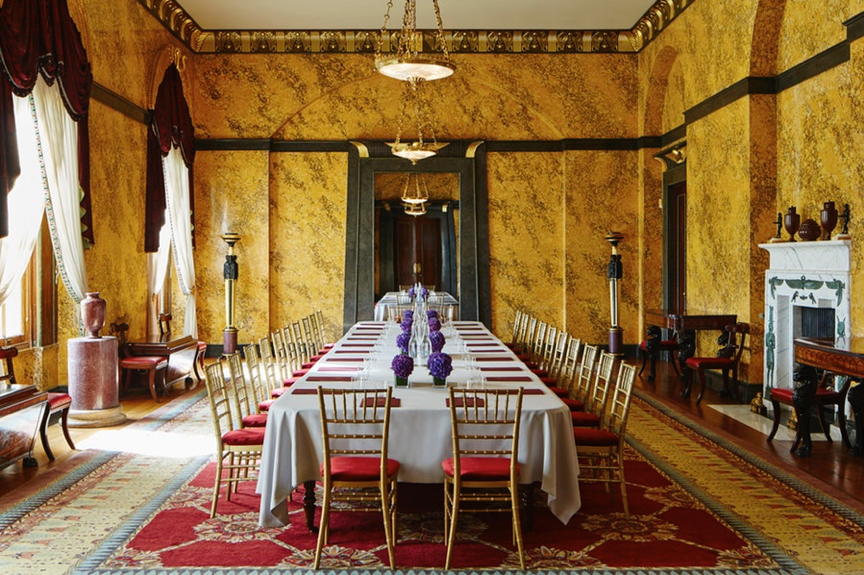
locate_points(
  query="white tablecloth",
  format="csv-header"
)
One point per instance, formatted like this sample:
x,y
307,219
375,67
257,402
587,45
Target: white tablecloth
x,y
420,427
390,299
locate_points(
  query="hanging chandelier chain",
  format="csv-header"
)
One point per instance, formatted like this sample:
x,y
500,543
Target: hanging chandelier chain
x,y
415,89
441,38
409,30
384,29
402,113
425,116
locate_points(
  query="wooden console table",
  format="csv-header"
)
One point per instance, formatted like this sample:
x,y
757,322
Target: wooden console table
x,y
181,352
21,409
844,357
685,325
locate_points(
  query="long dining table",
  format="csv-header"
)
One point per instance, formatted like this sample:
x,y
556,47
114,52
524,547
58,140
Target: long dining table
x,y
420,425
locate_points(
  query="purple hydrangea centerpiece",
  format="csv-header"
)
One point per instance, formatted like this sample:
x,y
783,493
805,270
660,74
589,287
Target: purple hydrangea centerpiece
x,y
434,325
436,338
402,365
440,365
430,313
402,341
407,320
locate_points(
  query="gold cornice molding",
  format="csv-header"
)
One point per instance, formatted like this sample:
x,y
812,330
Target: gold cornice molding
x,y
175,19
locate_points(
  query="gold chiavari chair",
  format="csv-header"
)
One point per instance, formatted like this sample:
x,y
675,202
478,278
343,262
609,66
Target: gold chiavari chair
x,y
485,463
268,367
549,347
241,392
355,426
538,345
602,450
585,373
260,389
568,372
596,405
319,316
241,447
515,331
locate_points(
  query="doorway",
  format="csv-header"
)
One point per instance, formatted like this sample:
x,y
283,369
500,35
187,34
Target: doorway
x,y
675,240
418,250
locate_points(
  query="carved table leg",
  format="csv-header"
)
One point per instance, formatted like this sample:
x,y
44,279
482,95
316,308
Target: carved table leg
x,y
652,348
807,382
309,505
856,401
686,350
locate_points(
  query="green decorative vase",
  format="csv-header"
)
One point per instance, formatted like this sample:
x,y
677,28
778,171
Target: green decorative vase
x,y
439,382
401,381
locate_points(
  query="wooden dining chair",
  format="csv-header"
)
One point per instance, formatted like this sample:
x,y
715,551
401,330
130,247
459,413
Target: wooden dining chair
x,y
243,396
238,450
726,361
259,386
485,464
585,373
596,405
601,449
356,470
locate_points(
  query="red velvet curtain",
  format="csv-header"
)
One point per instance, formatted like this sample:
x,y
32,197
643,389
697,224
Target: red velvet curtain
x,y
39,37
170,125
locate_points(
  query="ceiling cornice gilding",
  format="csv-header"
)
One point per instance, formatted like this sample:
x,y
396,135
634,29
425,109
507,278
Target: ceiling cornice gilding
x,y
175,19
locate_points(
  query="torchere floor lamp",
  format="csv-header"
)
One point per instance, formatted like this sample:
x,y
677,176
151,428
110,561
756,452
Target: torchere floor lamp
x,y
615,272
230,272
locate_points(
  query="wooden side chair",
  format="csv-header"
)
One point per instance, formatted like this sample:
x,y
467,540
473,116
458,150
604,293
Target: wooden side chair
x,y
653,345
356,469
241,447
485,464
726,361
153,366
602,449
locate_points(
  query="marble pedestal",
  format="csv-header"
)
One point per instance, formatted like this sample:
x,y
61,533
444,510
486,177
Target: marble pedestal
x,y
93,382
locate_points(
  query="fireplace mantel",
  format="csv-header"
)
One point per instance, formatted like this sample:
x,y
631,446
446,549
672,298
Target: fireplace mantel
x,y
802,274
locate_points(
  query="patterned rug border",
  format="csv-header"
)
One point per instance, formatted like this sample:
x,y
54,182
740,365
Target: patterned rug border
x,y
90,565
799,485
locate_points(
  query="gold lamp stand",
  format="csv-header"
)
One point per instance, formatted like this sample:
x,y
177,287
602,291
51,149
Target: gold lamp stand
x,y
230,272
615,272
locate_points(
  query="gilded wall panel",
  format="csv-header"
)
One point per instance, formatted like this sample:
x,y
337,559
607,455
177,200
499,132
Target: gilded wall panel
x,y
809,27
648,268
601,196
526,237
37,366
232,194
307,237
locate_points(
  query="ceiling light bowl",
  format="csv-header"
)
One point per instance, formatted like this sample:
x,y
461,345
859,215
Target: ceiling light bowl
x,y
407,69
415,151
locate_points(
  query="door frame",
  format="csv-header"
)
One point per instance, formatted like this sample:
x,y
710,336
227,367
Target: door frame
x,y
468,161
671,177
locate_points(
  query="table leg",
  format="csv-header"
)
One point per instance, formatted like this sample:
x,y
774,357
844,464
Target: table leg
x,y
807,382
309,505
856,401
686,350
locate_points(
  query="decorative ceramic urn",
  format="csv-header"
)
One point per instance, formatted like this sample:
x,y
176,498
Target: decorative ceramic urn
x,y
93,314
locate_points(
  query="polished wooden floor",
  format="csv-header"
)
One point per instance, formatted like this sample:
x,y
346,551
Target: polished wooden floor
x,y
830,469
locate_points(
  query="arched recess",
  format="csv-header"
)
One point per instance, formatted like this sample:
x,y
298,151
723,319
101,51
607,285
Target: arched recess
x,y
765,43
468,160
658,84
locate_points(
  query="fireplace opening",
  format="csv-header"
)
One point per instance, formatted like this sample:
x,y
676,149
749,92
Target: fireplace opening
x,y
816,322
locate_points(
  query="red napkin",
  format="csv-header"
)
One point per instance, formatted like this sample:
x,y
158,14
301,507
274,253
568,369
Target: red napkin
x,y
347,359
356,345
358,338
508,378
490,345
338,368
382,401
327,378
491,358
305,391
492,368
469,402
354,351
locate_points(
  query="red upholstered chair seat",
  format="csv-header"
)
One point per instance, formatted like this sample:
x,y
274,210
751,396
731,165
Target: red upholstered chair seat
x,y
265,405
274,393
559,391
315,358
298,373
305,366
245,436
594,437
785,395
573,404
359,468
255,420
824,397
709,362
541,373
480,468
57,402
584,419
144,362
289,381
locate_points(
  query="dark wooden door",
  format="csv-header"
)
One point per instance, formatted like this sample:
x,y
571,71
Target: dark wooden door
x,y
417,245
678,246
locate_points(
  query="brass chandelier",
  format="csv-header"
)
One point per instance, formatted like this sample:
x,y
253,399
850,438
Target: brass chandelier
x,y
420,149
416,194
408,62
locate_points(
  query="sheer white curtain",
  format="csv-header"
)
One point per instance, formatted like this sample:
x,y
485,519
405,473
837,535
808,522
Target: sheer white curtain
x,y
57,136
26,204
179,218
157,269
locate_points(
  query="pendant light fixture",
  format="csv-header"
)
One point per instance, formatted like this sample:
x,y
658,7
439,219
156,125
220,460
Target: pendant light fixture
x,y
408,61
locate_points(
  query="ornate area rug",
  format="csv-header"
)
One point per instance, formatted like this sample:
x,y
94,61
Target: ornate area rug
x,y
697,506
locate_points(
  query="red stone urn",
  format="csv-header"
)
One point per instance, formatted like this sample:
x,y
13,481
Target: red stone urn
x,y
93,314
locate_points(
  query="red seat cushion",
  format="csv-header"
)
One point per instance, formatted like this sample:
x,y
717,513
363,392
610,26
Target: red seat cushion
x,y
300,372
559,391
265,405
785,395
288,382
709,362
594,437
255,420
202,346
359,468
665,344
274,393
144,362
480,468
305,366
574,404
541,373
245,436
58,400
315,358
584,419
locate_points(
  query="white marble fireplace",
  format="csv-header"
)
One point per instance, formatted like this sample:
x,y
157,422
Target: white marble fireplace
x,y
802,275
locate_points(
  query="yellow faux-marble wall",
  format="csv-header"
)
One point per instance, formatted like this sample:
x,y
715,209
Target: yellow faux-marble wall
x,y
308,208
